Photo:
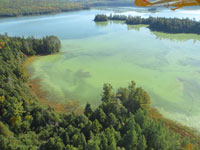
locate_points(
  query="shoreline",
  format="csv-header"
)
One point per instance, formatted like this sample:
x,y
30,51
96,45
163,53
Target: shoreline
x,y
41,95
155,24
73,106
174,126
28,14
59,11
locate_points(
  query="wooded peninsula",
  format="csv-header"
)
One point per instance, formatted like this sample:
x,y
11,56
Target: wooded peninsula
x,y
160,24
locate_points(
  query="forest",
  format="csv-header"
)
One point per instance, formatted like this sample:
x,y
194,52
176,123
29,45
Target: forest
x,y
120,122
160,24
100,18
13,8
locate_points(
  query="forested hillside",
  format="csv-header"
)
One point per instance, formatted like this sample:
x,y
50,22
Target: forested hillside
x,y
121,121
13,8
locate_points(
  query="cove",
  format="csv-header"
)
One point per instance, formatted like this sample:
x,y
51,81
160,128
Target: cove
x,y
165,65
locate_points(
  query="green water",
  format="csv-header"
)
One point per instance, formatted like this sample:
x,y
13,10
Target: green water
x,y
167,66
168,70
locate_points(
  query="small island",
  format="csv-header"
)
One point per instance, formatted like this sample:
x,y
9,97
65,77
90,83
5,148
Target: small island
x,y
100,18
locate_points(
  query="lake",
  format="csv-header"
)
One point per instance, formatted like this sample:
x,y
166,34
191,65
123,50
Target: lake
x,y
167,66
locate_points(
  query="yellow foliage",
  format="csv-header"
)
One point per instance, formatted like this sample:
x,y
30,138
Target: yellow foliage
x,y
189,147
31,101
28,117
2,99
5,131
2,44
15,120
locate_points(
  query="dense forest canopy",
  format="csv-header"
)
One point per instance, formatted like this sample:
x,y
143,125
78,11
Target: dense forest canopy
x,y
12,8
100,18
168,25
161,24
120,122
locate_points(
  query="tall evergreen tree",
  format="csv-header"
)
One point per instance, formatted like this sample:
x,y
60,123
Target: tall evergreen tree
x,y
108,94
142,143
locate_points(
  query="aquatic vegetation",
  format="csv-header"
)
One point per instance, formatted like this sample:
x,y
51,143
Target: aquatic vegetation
x,y
121,121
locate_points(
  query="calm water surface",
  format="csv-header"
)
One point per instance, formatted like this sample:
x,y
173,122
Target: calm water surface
x,y
167,66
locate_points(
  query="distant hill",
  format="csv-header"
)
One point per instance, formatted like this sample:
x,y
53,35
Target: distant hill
x,y
13,8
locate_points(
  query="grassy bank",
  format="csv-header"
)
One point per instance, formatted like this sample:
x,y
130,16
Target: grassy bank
x,y
174,126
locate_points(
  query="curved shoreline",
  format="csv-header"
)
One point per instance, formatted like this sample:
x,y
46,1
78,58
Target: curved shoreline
x,y
37,91
71,106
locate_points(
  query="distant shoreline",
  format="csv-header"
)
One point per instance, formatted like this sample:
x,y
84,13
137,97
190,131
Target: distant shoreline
x,y
159,24
77,6
42,13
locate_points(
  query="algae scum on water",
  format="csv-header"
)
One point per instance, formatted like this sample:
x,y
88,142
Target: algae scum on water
x,y
167,66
